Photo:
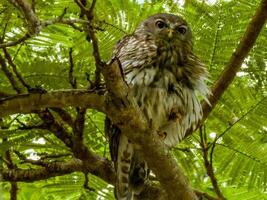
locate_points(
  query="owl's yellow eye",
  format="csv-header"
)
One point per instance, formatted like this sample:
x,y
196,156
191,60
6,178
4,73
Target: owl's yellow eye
x,y
160,24
182,29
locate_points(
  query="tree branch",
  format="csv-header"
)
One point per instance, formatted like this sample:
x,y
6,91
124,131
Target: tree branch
x,y
14,68
97,166
26,103
14,186
208,165
10,75
31,19
241,52
92,36
14,43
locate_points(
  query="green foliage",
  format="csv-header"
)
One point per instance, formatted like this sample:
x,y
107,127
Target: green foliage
x,y
239,157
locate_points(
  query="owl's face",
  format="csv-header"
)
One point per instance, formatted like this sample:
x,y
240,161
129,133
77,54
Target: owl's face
x,y
167,27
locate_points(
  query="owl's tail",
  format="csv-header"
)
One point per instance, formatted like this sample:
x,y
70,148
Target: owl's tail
x,y
131,170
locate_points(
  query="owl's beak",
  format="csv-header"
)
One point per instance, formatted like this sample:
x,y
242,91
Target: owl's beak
x,y
170,32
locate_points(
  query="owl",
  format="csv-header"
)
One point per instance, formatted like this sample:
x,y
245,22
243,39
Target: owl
x,y
167,79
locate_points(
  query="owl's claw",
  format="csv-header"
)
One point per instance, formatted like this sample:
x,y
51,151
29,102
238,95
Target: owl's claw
x,y
162,135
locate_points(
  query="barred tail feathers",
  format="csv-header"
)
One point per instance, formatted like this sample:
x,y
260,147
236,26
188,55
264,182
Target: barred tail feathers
x,y
124,162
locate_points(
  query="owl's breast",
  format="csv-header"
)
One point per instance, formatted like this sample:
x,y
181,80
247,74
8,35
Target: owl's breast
x,y
168,105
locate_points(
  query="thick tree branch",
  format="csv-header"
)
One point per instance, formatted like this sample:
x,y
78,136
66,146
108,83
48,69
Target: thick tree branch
x,y
26,103
241,52
30,175
98,166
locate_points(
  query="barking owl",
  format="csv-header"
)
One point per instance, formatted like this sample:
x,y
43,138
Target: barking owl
x,y
166,78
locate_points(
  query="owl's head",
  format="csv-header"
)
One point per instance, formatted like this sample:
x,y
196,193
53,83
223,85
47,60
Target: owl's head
x,y
166,27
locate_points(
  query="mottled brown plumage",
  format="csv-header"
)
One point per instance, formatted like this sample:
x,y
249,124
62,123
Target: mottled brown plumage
x,y
166,79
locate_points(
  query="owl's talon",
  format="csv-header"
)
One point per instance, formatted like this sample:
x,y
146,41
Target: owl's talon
x,y
162,135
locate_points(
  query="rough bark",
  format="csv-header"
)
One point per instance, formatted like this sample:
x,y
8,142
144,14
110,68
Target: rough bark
x,y
26,103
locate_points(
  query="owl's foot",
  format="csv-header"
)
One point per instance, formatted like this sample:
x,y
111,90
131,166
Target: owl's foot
x,y
162,134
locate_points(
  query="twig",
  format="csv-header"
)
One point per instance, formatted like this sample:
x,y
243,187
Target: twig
x,y
14,43
63,21
203,195
209,168
112,25
45,156
24,159
72,79
91,10
91,33
14,67
10,76
57,129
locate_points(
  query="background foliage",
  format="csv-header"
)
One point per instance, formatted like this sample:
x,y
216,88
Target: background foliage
x,y
238,122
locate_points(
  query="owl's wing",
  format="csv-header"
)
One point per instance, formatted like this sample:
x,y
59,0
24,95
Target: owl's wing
x,y
113,134
122,153
120,44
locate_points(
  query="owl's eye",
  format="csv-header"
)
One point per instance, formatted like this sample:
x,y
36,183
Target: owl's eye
x,y
182,29
160,24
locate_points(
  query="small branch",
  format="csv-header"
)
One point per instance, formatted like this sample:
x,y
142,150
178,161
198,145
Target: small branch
x,y
64,21
57,129
79,124
23,159
91,33
14,185
10,76
31,19
14,43
82,5
54,156
72,79
241,52
91,11
203,195
64,115
14,67
209,168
